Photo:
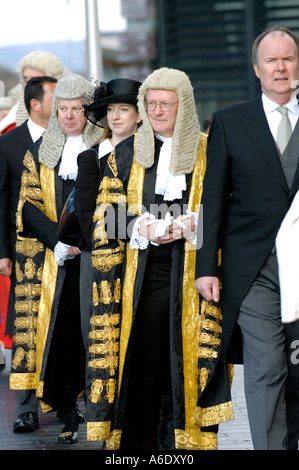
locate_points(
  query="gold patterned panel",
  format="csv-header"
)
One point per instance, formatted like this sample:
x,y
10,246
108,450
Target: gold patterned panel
x,y
214,414
104,337
104,260
29,191
111,162
97,388
106,295
105,320
195,441
106,333
109,347
29,247
47,182
113,443
50,270
102,389
108,363
98,431
190,438
27,306
110,198
17,381
135,189
99,232
203,377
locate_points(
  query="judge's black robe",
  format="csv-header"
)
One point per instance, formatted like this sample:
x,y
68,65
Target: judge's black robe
x,y
48,353
198,374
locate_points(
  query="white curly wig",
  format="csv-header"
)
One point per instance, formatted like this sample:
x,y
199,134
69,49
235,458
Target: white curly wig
x,y
71,87
186,133
45,62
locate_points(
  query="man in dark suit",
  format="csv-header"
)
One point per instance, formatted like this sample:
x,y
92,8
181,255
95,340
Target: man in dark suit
x,y
250,180
13,147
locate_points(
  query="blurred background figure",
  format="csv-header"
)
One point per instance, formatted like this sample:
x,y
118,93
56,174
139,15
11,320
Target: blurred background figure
x,y
5,106
35,64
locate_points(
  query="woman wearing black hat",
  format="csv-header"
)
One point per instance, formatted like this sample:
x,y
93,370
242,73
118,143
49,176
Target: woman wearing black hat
x,y
115,109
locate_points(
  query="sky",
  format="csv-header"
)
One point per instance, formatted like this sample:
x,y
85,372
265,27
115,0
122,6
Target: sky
x,y
42,20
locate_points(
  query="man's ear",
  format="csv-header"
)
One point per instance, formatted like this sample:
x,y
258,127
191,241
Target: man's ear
x,y
35,105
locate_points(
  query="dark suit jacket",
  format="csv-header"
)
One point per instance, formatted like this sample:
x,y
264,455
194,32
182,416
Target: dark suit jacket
x,y
245,198
13,147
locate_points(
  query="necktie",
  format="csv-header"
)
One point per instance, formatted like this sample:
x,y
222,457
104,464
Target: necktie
x,y
284,129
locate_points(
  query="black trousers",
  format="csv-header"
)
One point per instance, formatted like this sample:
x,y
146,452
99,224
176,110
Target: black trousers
x,y
150,357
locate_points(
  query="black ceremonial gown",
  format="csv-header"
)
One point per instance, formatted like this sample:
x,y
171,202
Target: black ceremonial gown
x,y
198,374
48,353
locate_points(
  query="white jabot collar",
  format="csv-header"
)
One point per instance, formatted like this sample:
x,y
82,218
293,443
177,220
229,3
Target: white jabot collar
x,y
168,185
68,167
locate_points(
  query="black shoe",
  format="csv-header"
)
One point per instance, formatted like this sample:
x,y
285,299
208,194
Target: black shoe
x,y
69,437
26,422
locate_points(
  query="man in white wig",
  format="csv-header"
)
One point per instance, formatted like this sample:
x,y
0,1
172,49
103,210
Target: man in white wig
x,y
34,64
48,352
162,383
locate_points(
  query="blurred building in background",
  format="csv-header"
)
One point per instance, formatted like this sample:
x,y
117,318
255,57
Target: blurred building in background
x,y
211,41
133,53
208,39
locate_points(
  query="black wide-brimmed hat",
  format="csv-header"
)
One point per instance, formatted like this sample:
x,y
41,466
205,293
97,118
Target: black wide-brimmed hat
x,y
119,90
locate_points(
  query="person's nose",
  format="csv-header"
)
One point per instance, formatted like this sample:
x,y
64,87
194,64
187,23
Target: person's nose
x,y
280,64
115,114
158,109
69,114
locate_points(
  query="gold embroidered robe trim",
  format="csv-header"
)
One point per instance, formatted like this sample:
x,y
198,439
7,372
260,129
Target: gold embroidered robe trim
x,y
194,328
104,334
98,431
22,381
106,296
31,295
134,201
104,260
187,441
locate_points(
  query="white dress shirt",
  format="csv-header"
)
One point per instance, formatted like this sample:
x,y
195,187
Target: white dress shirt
x,y
274,117
35,130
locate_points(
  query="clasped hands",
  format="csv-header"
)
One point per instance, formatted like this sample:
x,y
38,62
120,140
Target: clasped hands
x,y
162,231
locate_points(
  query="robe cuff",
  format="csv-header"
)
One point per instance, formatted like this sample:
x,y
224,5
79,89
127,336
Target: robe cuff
x,y
137,241
61,253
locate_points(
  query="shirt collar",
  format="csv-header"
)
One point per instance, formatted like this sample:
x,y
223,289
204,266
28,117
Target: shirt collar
x,y
35,130
105,147
270,105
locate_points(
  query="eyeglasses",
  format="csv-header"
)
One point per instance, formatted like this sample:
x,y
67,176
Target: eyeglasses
x,y
164,105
